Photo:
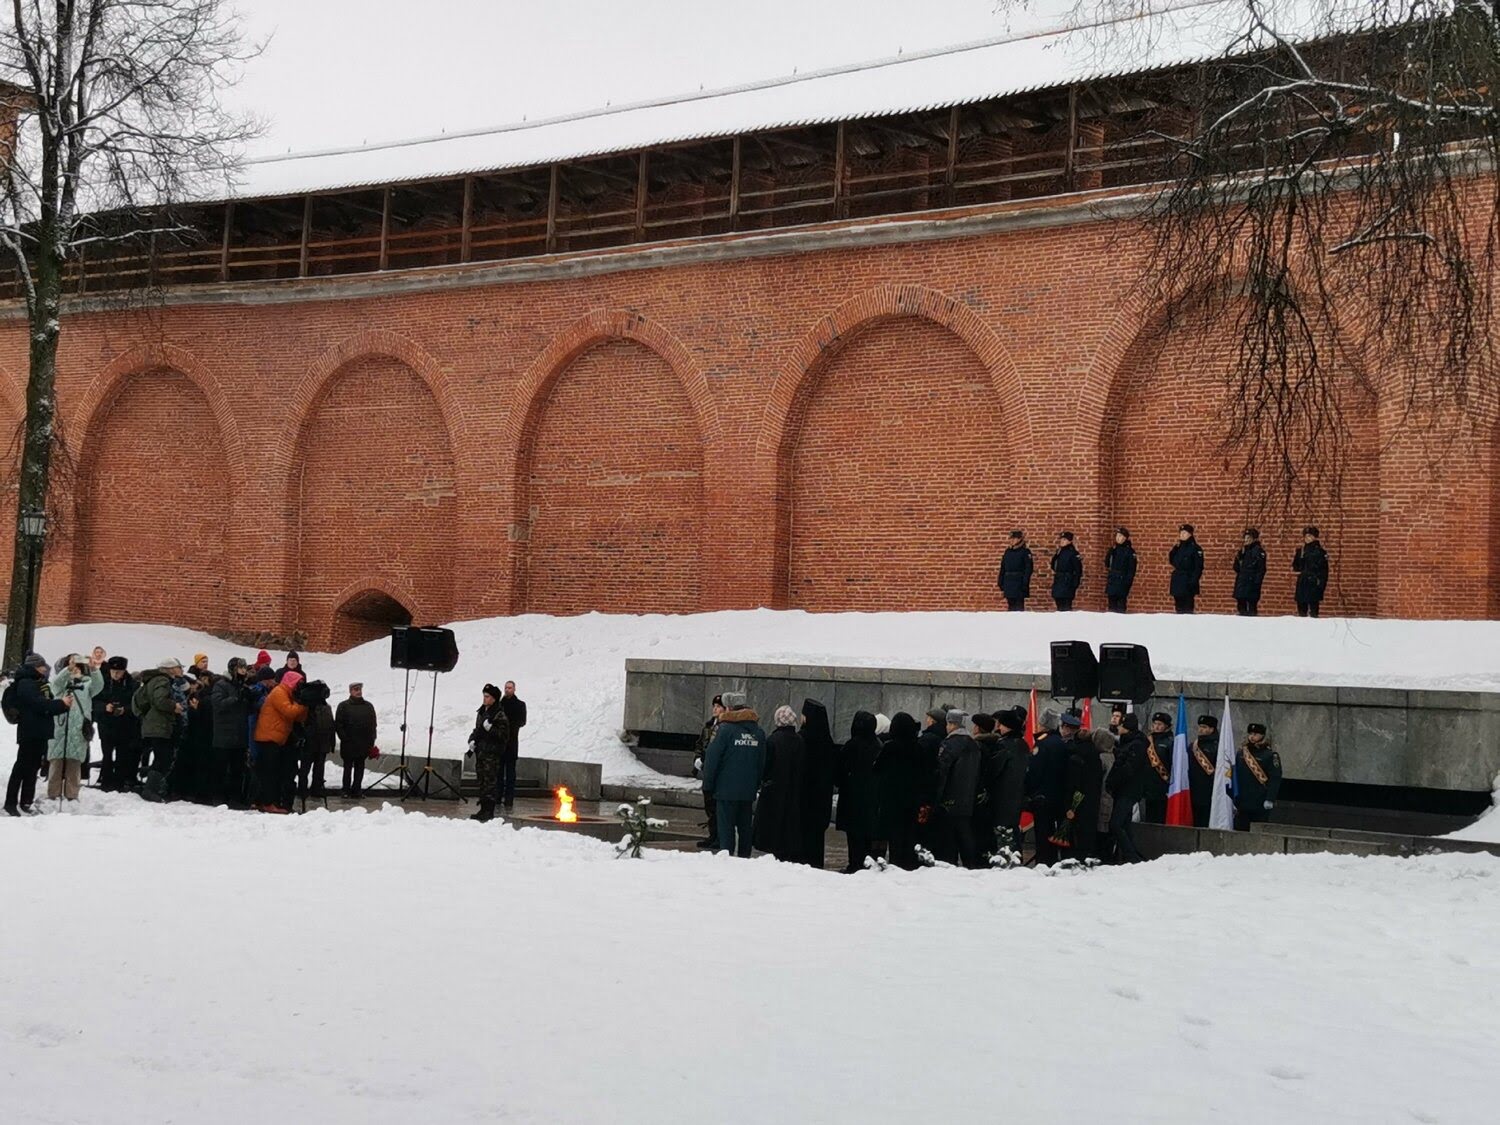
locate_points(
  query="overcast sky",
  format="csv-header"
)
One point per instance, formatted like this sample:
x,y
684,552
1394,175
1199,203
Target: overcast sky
x,y
347,72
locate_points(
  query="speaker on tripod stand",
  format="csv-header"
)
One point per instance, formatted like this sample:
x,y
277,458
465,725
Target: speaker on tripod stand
x,y
426,649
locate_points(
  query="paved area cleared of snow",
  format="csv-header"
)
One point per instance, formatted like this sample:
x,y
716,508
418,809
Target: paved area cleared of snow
x,y
172,963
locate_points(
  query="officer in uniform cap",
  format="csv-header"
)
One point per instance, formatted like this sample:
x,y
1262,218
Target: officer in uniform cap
x,y
1257,778
1203,767
1158,772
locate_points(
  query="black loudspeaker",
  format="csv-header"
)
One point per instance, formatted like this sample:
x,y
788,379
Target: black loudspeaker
x,y
1125,673
1075,672
423,650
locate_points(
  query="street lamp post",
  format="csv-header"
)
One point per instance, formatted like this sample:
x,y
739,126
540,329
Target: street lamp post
x,y
33,529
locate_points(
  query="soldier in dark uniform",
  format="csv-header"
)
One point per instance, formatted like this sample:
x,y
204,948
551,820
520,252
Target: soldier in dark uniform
x,y
1119,561
1067,571
1203,768
491,732
710,804
1158,771
1186,558
1015,572
1249,573
1257,778
1311,564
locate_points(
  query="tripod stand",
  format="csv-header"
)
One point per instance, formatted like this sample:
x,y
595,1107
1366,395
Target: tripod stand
x,y
421,786
406,781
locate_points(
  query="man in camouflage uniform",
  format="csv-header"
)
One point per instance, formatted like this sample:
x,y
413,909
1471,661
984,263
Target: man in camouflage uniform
x,y
487,743
1257,779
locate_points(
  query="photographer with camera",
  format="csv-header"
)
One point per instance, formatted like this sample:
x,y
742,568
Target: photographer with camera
x,y
119,730
317,739
76,683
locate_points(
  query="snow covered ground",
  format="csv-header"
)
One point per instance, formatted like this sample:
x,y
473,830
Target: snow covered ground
x,y
571,670
172,963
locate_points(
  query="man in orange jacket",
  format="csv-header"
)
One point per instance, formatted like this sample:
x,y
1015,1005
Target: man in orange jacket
x,y
273,730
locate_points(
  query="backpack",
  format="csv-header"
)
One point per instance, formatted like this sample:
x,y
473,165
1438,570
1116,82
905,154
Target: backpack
x,y
140,702
10,704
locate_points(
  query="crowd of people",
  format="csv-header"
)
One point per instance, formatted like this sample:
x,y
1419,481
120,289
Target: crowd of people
x,y
1309,562
956,787
253,737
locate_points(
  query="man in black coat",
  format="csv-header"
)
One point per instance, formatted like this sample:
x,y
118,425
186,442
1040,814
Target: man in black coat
x,y
37,708
1203,768
1005,778
1119,560
1126,784
1083,787
229,699
515,715
1067,571
355,724
958,790
1249,573
1046,779
1187,569
119,729
1015,572
1311,564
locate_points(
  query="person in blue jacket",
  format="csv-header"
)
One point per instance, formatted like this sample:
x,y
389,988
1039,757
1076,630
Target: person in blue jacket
x,y
1119,561
732,771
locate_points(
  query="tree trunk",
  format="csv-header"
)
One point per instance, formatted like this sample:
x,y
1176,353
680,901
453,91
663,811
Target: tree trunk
x,y
36,449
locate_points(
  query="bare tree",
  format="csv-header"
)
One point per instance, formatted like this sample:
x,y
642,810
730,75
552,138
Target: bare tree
x,y
121,117
1329,196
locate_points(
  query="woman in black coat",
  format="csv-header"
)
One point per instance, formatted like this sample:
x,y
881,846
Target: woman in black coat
x,y
858,800
899,788
779,811
817,742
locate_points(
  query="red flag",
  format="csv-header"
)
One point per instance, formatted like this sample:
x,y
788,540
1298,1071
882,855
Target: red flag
x,y
1030,737
1087,714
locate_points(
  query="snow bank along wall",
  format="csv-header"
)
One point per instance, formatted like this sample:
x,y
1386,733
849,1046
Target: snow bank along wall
x,y
1357,736
848,416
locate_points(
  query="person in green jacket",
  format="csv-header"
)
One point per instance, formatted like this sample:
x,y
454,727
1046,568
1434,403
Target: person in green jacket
x,y
78,677
158,710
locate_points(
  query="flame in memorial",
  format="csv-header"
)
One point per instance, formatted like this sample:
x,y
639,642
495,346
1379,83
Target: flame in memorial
x,y
565,811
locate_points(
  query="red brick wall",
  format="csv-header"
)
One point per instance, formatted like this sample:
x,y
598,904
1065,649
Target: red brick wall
x,y
896,454
154,492
373,487
612,479
1162,467
851,412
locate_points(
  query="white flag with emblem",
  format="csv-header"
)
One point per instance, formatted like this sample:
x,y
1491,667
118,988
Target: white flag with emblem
x,y
1221,812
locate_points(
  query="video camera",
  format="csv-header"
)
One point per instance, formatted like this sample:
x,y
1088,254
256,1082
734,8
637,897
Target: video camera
x,y
310,693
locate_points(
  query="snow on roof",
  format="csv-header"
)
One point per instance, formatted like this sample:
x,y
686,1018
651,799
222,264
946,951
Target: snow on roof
x,y
1046,54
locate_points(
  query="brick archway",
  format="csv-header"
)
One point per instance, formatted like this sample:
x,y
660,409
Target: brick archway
x,y
365,609
1148,422
800,373
536,387
94,407
388,356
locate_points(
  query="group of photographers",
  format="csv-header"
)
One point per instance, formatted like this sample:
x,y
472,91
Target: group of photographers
x,y
252,737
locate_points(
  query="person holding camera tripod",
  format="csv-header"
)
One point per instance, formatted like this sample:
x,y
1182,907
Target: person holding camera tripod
x,y
76,682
